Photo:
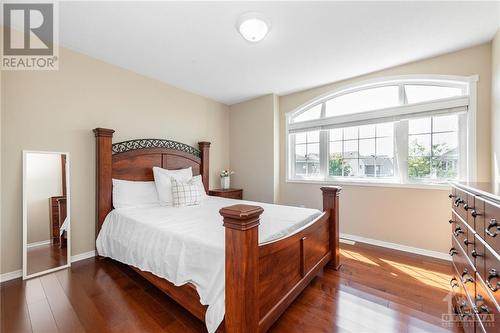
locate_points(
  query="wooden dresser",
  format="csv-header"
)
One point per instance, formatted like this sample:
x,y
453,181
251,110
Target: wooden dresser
x,y
475,226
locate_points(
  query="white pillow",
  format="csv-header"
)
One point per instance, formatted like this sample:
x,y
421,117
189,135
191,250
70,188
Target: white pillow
x,y
199,182
185,193
164,185
128,193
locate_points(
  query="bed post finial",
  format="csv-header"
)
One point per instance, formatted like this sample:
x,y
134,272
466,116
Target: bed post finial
x,y
205,163
104,138
242,269
331,205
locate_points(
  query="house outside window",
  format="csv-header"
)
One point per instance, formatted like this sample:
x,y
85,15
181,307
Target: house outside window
x,y
399,130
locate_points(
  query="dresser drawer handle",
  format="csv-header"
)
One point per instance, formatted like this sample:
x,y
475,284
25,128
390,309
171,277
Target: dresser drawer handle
x,y
453,282
474,254
483,309
492,274
480,306
451,196
466,277
453,251
466,207
458,231
467,242
493,224
450,221
458,201
474,213
464,309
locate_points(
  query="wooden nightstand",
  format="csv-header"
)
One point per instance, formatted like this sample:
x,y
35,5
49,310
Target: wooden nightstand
x,y
232,193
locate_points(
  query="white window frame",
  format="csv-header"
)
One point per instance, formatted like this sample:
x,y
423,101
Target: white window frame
x,y
467,123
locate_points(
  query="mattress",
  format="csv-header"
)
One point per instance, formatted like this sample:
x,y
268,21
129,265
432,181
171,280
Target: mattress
x,y
186,244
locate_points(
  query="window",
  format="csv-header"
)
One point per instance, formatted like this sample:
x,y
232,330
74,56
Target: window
x,y
398,131
307,154
312,113
364,100
433,148
362,151
424,93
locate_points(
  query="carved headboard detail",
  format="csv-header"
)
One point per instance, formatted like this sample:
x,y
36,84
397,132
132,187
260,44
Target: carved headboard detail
x,y
129,145
134,160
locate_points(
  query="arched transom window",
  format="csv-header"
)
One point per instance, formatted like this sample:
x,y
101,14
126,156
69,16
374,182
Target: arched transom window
x,y
403,130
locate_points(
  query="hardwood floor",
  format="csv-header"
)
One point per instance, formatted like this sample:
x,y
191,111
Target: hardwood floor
x,y
376,290
44,257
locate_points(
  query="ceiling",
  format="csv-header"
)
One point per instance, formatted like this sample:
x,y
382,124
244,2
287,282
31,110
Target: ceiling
x,y
195,45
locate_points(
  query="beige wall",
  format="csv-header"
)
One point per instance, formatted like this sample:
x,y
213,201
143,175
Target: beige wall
x,y
495,108
43,180
411,217
57,110
252,128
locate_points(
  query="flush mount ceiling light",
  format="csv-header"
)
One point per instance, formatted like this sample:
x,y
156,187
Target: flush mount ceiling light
x,y
253,26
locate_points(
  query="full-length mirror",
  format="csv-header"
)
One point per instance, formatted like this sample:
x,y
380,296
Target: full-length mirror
x,y
46,212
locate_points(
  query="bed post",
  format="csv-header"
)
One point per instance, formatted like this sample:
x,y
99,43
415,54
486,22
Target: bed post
x,y
104,138
242,271
331,204
205,161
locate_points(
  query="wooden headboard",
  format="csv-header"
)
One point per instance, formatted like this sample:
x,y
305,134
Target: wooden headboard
x,y
135,159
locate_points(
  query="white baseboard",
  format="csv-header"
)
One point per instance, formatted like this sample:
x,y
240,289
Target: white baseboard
x,y
399,247
11,275
81,256
19,273
40,243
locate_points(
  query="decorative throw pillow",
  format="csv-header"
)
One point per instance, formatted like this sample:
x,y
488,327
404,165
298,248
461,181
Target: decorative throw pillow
x,y
163,183
198,180
185,193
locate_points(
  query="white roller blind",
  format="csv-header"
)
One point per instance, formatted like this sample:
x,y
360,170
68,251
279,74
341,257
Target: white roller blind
x,y
445,106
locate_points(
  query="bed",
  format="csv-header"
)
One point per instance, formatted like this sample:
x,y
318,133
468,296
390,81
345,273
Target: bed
x,y
262,256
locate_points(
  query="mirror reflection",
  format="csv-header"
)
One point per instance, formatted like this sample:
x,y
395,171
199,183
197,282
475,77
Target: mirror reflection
x,y
46,212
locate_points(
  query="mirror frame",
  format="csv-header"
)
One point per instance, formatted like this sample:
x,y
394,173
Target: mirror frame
x,y
25,215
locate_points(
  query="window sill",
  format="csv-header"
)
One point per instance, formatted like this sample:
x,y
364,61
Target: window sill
x,y
374,183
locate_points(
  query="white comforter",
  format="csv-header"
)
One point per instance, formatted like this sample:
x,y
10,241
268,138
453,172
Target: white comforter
x,y
186,245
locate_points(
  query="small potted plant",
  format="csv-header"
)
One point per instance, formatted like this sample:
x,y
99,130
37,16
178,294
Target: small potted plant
x,y
225,181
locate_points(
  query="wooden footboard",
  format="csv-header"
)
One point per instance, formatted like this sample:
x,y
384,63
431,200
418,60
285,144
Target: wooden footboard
x,y
262,281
